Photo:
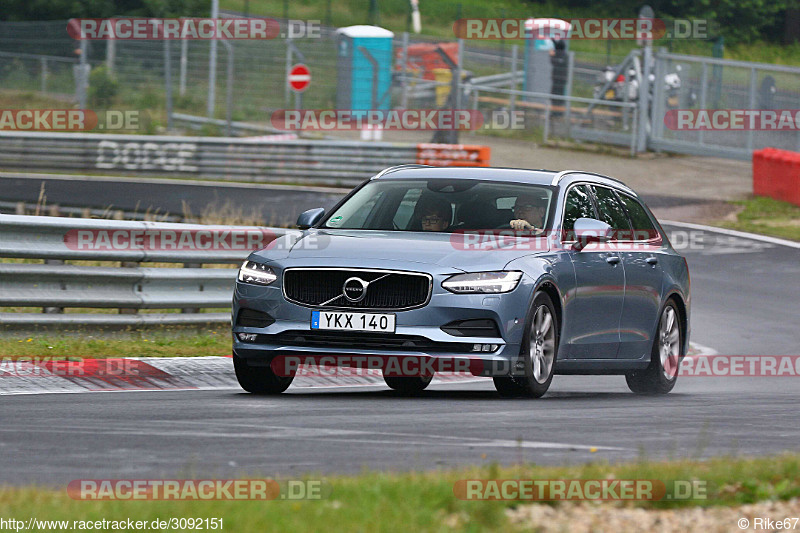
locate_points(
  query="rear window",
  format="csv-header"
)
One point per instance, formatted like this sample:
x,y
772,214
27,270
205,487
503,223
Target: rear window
x,y
643,228
612,212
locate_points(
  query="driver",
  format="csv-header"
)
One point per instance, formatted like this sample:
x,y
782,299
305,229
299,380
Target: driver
x,y
529,212
435,214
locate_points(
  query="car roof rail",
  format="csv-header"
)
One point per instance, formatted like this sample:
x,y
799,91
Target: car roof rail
x,y
563,173
395,168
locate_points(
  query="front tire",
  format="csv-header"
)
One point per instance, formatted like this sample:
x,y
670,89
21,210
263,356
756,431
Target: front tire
x,y
538,357
259,379
662,373
408,384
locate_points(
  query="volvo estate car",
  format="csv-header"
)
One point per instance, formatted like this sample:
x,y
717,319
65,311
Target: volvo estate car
x,y
516,274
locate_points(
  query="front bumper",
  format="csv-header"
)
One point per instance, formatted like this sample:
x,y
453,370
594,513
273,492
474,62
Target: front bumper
x,y
293,321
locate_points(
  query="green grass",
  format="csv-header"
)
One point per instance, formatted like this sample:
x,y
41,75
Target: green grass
x,y
164,342
764,215
421,501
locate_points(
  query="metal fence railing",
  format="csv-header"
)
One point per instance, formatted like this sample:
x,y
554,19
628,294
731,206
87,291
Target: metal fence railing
x,y
720,84
40,293
40,57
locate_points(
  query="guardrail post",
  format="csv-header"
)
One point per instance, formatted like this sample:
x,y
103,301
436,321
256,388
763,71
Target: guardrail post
x,y
703,91
513,98
752,105
546,122
168,82
184,63
286,92
229,90
644,98
212,64
54,310
44,74
568,91
82,76
111,54
129,310
403,80
189,310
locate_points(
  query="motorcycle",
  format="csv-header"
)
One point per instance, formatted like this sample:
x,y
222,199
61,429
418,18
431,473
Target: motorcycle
x,y
625,87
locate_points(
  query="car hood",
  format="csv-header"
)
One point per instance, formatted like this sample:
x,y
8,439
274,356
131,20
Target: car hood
x,y
358,248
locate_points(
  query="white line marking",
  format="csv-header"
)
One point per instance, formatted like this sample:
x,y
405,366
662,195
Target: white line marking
x,y
733,232
699,349
325,434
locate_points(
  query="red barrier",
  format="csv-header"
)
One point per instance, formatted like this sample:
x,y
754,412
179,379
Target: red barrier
x,y
423,58
776,173
453,155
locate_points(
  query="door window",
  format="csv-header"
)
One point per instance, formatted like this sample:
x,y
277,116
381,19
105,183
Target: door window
x,y
578,205
612,213
643,228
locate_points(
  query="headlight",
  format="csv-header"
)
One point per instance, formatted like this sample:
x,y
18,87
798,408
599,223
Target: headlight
x,y
256,273
483,282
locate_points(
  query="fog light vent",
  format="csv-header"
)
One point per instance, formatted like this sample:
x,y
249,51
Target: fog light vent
x,y
250,318
481,327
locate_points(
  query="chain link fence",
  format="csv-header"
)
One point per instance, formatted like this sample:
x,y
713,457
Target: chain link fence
x,y
578,100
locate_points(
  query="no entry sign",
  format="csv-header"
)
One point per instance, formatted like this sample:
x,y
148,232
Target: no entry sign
x,y
299,78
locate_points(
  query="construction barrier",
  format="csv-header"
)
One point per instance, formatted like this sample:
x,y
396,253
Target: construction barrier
x,y
776,174
453,155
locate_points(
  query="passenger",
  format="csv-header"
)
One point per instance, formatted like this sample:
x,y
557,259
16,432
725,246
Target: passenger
x,y
435,214
529,212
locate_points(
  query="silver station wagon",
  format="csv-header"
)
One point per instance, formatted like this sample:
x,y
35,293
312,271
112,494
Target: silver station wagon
x,y
512,274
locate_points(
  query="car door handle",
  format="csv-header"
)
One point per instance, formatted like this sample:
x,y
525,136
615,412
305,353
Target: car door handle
x,y
612,260
652,261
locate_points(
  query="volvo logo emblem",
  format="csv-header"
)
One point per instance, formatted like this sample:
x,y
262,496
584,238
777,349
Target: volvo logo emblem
x,y
355,289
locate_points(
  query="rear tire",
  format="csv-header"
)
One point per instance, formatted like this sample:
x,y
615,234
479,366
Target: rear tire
x,y
538,355
662,373
259,379
408,384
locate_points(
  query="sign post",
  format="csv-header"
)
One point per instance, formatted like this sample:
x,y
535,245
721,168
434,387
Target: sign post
x,y
299,79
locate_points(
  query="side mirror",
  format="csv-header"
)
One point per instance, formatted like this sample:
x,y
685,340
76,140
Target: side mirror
x,y
589,230
310,217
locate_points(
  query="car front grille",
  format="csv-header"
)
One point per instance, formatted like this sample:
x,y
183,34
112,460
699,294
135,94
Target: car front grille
x,y
385,289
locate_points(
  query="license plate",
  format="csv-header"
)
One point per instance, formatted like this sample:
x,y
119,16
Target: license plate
x,y
346,321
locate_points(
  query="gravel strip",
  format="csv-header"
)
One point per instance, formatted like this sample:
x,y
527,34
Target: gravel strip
x,y
596,517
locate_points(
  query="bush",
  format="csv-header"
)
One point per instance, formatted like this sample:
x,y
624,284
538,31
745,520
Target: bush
x,y
103,88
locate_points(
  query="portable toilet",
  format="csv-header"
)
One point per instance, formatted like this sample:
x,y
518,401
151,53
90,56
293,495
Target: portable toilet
x,y
540,34
364,74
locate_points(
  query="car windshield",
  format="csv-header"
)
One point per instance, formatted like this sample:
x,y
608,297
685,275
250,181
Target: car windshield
x,y
443,205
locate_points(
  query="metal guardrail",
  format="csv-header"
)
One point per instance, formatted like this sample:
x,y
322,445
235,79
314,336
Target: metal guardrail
x,y
226,158
237,127
54,285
